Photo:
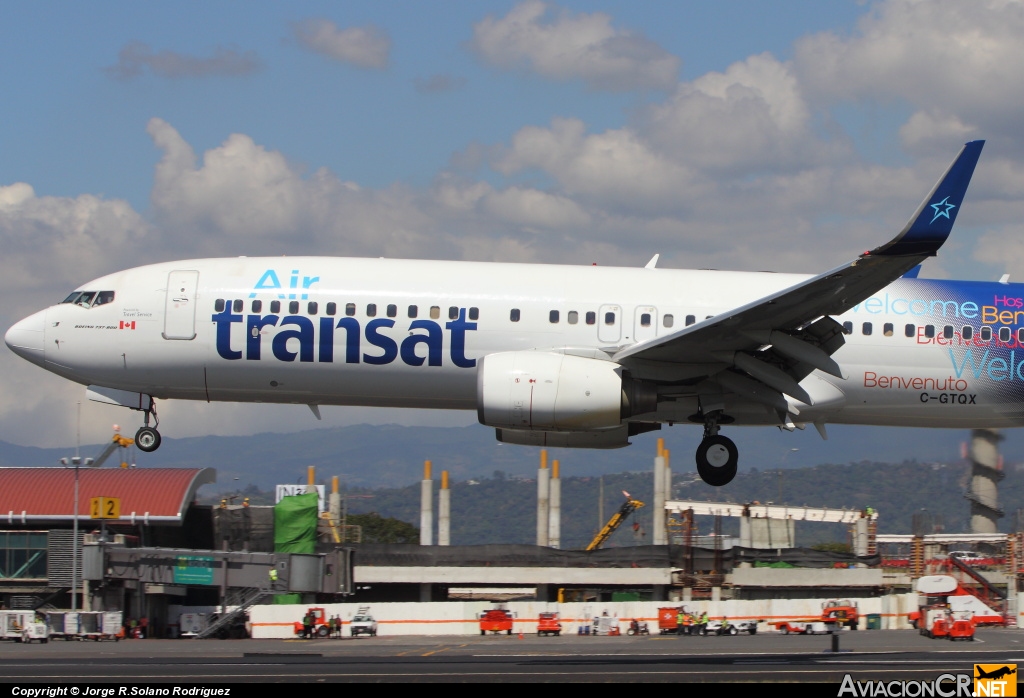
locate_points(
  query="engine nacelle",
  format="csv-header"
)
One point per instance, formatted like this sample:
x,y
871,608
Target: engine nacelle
x,y
545,391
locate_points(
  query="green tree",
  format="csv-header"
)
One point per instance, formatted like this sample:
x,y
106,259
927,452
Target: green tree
x,y
377,529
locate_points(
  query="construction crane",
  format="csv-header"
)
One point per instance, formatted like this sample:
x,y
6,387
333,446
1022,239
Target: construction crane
x,y
618,517
117,442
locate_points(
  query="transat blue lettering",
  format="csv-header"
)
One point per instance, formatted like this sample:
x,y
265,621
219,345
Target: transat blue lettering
x,y
297,337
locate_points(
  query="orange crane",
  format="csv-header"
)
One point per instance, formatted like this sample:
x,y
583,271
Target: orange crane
x,y
117,442
618,517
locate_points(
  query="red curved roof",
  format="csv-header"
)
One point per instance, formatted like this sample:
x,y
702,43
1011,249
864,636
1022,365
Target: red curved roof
x,y
157,495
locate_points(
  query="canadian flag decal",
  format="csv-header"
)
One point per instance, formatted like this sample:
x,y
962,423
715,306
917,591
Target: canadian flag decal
x,y
127,325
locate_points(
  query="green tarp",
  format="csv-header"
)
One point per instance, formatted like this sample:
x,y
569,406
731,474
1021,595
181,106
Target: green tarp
x,y
295,520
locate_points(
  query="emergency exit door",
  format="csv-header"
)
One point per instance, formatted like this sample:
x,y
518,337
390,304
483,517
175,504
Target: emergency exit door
x,y
180,305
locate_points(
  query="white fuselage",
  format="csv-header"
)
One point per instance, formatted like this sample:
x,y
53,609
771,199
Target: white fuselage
x,y
402,333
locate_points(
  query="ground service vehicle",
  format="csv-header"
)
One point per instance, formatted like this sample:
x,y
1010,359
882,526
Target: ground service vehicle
x,y
801,627
840,612
549,624
668,619
363,623
637,628
320,627
496,620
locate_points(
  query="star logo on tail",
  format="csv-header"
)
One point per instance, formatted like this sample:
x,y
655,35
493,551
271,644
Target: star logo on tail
x,y
942,209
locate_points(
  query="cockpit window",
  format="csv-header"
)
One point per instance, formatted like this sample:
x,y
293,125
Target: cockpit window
x,y
90,299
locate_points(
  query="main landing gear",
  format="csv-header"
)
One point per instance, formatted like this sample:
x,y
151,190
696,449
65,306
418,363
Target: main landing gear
x,y
147,438
717,456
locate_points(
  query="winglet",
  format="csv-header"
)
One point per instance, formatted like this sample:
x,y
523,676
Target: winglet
x,y
653,263
934,218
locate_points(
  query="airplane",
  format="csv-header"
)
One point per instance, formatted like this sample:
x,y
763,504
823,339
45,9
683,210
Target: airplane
x,y
557,355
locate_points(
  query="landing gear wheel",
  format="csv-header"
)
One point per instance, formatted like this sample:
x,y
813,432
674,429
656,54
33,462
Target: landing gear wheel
x,y
717,459
147,439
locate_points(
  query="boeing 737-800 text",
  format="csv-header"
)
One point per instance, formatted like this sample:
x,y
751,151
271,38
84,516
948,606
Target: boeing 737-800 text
x,y
559,355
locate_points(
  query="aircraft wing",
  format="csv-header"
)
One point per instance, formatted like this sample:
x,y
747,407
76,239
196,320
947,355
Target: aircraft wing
x,y
777,340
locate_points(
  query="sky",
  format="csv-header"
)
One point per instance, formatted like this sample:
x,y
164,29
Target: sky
x,y
730,135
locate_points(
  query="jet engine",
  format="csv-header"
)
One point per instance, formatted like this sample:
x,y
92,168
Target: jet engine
x,y
546,391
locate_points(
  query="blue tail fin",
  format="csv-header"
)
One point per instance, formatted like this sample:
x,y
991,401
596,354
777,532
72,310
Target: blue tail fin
x,y
934,218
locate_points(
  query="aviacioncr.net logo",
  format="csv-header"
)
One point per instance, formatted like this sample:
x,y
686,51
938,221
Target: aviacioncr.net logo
x,y
944,686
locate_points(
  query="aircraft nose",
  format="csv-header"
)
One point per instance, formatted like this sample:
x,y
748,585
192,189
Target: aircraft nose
x,y
25,338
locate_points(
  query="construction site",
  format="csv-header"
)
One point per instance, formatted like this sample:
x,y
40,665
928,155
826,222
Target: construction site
x,y
93,551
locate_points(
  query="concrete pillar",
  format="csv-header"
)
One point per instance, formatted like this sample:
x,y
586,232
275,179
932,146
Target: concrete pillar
x,y
334,502
860,536
687,594
667,490
716,593
310,479
555,521
426,507
543,500
444,512
658,533
986,472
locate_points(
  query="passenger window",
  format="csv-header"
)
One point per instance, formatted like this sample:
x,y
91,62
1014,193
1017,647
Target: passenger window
x,y
591,318
573,317
690,320
910,330
645,320
350,309
609,318
1004,334
947,332
887,329
104,297
1020,336
514,315
474,314
275,307
435,312
866,328
453,313
371,310
553,316
967,332
986,333
257,306
312,307
238,305
847,327
413,311
392,310
293,307
929,331
218,305
668,320
332,308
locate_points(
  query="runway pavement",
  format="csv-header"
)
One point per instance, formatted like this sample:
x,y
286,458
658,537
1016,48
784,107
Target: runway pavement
x,y
766,657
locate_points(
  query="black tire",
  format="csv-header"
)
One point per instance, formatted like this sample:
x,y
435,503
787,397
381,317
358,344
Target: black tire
x,y
508,632
734,631
753,630
323,631
785,630
558,633
852,625
147,439
483,632
913,624
717,460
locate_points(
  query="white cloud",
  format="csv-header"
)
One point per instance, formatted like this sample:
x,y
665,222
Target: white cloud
x,y
948,58
574,46
751,117
365,47
136,56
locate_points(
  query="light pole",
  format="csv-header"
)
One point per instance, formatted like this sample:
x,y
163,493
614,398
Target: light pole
x,y
76,461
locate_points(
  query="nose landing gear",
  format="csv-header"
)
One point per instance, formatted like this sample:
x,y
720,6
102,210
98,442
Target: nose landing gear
x,y
147,438
717,456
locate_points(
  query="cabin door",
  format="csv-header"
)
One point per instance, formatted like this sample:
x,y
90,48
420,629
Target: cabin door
x,y
180,305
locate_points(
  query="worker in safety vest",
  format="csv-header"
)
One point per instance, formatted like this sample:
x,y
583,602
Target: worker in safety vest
x,y
687,623
679,621
702,623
